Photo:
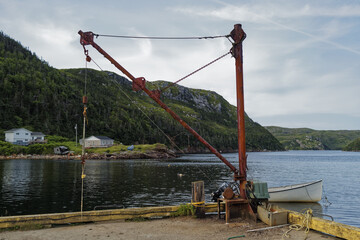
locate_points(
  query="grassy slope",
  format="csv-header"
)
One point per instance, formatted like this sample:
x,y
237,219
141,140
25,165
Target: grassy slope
x,y
293,138
7,149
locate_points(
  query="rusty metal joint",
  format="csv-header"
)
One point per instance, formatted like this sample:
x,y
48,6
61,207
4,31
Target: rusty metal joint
x,y
157,93
239,177
86,37
86,52
235,44
139,84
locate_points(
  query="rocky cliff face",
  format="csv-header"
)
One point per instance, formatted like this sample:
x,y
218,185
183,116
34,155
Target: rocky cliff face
x,y
208,101
309,143
119,79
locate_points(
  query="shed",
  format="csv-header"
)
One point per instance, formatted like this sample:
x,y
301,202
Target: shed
x,y
37,137
98,141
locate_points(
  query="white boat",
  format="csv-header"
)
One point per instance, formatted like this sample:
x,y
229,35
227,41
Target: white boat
x,y
304,192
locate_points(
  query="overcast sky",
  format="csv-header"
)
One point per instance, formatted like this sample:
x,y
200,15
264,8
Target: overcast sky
x,y
301,58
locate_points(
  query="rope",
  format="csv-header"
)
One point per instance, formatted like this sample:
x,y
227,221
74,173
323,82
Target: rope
x,y
83,147
325,200
197,70
85,114
307,215
86,52
161,38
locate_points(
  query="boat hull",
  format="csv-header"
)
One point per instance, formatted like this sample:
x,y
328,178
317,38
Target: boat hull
x,y
305,192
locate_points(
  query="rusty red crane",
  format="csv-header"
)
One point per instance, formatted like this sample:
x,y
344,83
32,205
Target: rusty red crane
x,y
238,36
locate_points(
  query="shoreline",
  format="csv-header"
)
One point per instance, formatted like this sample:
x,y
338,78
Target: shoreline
x,y
152,154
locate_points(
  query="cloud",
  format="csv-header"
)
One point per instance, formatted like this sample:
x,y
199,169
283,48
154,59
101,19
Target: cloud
x,y
300,58
270,13
289,71
256,11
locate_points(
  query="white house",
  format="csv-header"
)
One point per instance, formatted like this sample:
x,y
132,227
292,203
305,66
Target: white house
x,y
19,136
22,136
98,141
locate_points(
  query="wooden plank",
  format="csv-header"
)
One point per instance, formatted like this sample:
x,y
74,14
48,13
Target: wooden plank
x,y
326,226
93,216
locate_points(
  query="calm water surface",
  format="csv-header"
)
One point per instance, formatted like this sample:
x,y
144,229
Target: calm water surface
x,y
50,186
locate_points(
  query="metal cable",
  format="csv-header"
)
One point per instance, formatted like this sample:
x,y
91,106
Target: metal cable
x,y
135,103
103,71
167,136
162,38
197,70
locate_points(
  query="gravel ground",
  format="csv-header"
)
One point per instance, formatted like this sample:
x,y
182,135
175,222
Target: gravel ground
x,y
170,228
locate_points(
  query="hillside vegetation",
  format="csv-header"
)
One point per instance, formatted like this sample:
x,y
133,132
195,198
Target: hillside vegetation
x,y
39,97
353,146
8,149
309,139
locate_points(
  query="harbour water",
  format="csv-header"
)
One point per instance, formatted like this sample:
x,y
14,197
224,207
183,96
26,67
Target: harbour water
x,y
50,186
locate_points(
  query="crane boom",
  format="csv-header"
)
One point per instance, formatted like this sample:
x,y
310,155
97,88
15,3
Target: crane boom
x,y
87,38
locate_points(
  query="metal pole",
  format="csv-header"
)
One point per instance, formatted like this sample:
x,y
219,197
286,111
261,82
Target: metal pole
x,y
75,135
238,35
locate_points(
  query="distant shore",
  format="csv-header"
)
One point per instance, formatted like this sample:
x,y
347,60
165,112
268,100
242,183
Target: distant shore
x,y
151,154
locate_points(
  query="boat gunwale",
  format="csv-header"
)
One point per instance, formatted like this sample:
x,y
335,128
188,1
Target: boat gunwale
x,y
301,185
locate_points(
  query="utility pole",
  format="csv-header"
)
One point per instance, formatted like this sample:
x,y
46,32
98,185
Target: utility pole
x,y
76,135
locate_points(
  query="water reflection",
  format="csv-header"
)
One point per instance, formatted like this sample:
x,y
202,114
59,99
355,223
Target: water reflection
x,y
16,179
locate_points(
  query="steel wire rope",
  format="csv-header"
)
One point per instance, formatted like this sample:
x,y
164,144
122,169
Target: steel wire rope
x,y
197,70
162,38
175,38
146,82
168,137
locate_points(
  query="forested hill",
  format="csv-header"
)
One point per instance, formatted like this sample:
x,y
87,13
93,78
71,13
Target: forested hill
x,y
310,139
39,97
354,146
